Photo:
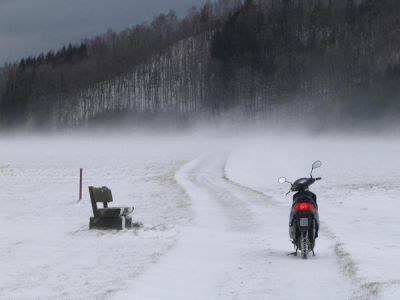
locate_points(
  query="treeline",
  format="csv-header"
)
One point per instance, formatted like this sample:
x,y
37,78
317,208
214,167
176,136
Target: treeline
x,y
40,90
335,61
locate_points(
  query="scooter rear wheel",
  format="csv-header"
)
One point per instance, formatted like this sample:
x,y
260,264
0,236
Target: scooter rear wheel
x,y
304,244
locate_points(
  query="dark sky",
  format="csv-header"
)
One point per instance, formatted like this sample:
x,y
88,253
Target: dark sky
x,y
28,27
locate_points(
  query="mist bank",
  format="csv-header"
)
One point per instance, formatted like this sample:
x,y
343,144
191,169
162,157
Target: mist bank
x,y
319,65
285,122
218,132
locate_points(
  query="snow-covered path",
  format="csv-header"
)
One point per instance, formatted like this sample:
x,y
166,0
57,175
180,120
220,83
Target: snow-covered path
x,y
236,248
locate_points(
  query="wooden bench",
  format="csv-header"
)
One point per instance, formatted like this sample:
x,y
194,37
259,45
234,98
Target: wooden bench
x,y
108,217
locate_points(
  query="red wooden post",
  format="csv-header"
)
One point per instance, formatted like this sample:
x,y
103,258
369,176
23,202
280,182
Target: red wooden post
x,y
80,183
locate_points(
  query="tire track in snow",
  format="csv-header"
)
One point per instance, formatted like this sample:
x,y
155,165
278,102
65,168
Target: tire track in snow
x,y
265,269
362,288
332,245
202,255
235,248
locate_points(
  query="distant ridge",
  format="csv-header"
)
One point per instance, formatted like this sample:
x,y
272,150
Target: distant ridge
x,y
336,62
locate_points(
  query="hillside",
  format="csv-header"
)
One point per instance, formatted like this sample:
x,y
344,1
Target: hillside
x,y
337,62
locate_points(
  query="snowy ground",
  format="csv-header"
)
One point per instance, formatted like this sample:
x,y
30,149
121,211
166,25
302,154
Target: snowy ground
x,y
46,249
358,201
214,220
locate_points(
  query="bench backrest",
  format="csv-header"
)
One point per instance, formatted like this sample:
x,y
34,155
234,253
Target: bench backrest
x,y
100,194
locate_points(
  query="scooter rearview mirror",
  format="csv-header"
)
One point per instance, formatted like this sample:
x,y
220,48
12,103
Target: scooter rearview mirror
x,y
317,164
282,180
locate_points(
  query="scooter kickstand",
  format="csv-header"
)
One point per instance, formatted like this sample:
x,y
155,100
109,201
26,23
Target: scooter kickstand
x,y
294,253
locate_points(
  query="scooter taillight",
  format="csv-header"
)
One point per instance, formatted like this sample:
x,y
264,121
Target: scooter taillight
x,y
304,206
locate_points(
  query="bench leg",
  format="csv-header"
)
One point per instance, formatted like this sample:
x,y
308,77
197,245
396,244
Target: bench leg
x,y
117,223
128,222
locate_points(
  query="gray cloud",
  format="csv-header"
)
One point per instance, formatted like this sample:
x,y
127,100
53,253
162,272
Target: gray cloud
x,y
28,27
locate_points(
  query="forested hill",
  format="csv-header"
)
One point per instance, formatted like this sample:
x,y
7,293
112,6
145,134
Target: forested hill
x,y
336,61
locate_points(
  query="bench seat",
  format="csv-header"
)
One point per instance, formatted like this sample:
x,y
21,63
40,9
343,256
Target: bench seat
x,y
112,212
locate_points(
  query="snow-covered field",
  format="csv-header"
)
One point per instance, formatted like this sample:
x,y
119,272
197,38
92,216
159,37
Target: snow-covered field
x,y
214,220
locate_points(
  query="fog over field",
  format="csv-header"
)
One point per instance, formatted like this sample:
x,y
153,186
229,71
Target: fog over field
x,y
213,218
